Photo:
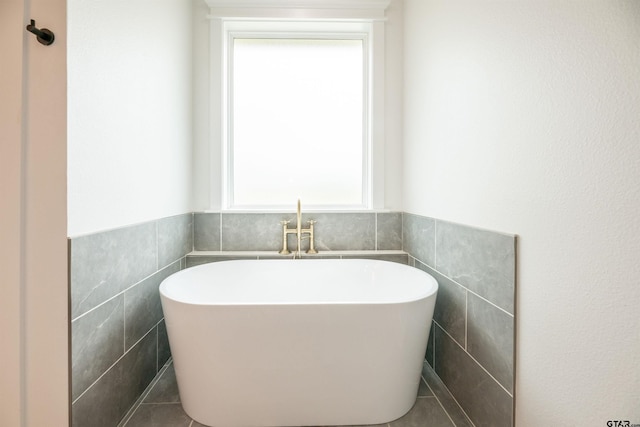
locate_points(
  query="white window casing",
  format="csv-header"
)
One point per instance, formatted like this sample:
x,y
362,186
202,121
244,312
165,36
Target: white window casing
x,y
301,19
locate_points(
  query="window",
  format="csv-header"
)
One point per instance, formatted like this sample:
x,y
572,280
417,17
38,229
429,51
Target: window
x,y
297,110
297,122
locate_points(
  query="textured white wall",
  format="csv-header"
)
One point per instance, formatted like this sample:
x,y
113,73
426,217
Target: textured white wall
x,y
130,118
524,117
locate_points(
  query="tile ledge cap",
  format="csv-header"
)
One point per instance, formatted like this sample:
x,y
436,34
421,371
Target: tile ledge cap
x,y
274,253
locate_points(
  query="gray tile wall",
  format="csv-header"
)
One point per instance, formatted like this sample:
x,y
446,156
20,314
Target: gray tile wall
x,y
263,231
118,336
471,346
119,339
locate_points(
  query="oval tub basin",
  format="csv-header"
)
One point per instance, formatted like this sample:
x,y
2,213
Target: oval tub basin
x,y
298,343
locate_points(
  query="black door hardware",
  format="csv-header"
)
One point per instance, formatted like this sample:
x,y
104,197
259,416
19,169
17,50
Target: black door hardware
x,y
45,36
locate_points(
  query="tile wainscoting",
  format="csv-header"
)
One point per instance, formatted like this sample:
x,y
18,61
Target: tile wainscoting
x,y
119,341
472,341
263,231
118,337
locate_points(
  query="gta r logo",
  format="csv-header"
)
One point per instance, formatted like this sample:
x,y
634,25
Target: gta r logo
x,y
617,423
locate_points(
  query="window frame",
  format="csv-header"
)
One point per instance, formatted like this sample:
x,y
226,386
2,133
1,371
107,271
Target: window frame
x,y
306,31
296,17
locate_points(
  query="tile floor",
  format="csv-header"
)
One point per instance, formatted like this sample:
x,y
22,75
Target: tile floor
x,y
160,405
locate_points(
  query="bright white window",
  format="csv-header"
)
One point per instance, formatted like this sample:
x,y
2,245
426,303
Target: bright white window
x,y
297,121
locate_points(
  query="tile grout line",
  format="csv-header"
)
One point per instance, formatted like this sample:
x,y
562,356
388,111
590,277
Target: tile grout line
x,y
376,232
123,422
466,288
446,389
402,231
434,324
433,352
157,246
159,403
466,320
124,324
435,242
123,291
474,359
110,367
484,299
438,400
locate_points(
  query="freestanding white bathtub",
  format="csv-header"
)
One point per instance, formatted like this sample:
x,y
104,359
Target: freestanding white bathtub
x,y
298,343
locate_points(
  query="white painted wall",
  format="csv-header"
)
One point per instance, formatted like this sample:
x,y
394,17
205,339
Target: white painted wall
x,y
524,117
34,321
393,103
206,194
130,113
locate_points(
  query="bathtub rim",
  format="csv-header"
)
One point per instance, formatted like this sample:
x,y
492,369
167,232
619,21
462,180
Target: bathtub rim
x,y
431,292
